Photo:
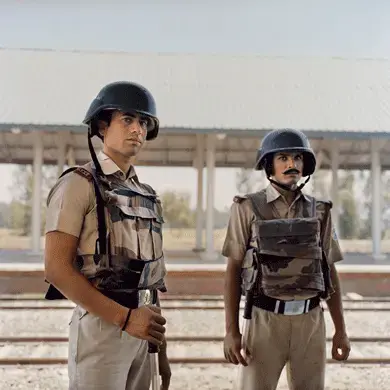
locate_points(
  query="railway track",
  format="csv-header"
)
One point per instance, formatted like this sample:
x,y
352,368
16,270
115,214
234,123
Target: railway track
x,y
176,339
350,297
38,350
167,307
52,350
183,303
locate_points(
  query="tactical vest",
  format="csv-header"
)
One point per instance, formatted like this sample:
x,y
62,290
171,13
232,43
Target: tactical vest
x,y
115,267
289,254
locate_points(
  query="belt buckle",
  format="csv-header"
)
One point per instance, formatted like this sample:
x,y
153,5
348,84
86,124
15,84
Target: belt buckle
x,y
295,307
144,297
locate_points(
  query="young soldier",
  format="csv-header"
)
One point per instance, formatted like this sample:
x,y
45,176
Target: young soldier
x,y
282,247
104,249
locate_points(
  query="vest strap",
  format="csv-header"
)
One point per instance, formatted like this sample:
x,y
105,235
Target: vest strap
x,y
260,206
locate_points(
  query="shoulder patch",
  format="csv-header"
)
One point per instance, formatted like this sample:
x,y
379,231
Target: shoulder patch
x,y
239,198
84,173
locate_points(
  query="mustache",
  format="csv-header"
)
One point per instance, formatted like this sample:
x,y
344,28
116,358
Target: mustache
x,y
289,171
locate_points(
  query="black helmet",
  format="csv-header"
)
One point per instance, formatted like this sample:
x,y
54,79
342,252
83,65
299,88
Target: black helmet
x,y
285,140
127,97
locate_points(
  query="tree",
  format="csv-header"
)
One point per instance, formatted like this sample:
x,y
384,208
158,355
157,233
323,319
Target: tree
x,y
248,180
22,188
4,215
366,214
348,219
176,209
320,183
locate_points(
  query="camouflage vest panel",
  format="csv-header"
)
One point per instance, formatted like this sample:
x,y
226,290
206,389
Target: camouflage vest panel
x,y
289,250
134,258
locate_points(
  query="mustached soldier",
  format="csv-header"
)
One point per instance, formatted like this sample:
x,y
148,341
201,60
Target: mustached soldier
x,y
104,249
281,246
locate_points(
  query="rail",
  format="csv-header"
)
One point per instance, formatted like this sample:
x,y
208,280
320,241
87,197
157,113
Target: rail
x,y
178,360
69,307
208,298
195,339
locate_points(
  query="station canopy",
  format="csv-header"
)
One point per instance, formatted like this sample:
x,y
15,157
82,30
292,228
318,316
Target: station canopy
x,y
237,97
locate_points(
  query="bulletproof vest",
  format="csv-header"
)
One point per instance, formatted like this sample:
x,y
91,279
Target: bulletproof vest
x,y
289,253
127,219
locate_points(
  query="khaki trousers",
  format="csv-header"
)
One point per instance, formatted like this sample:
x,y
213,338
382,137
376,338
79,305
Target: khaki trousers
x,y
295,341
101,357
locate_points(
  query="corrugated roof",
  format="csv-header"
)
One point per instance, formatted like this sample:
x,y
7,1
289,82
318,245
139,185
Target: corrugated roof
x,y
201,91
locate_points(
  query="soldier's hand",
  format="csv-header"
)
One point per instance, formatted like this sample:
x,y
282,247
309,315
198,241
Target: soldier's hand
x,y
147,323
340,342
232,349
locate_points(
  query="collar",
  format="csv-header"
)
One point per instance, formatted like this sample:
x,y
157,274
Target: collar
x,y
110,168
272,194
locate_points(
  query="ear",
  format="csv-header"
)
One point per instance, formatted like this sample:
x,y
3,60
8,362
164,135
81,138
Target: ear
x,y
102,127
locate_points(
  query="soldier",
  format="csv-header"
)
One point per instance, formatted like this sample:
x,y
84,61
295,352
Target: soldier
x,y
104,249
281,244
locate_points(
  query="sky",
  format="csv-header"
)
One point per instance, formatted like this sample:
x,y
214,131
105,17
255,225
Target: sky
x,y
333,28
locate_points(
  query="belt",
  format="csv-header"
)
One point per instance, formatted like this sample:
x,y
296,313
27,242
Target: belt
x,y
134,299
285,307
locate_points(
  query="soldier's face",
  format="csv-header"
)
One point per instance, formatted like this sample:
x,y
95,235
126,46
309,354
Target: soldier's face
x,y
126,133
287,168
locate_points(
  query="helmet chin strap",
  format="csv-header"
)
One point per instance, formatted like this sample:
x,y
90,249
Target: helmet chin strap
x,y
286,187
93,155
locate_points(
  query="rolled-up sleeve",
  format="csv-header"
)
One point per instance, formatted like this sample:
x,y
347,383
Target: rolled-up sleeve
x,y
67,204
239,231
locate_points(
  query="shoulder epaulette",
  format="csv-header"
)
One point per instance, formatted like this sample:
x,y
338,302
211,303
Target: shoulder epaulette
x,y
84,173
239,198
71,169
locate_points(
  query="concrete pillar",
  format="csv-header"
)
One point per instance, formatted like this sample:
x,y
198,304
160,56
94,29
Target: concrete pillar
x,y
61,154
335,161
210,160
71,157
199,202
313,186
36,195
376,175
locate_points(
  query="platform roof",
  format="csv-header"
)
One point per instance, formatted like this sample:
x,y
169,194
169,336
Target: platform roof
x,y
239,97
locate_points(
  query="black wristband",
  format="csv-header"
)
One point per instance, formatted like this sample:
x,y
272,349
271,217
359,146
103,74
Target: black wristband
x,y
127,320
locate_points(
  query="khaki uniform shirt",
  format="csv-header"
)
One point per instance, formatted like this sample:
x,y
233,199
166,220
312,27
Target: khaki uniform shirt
x,y
241,231
71,208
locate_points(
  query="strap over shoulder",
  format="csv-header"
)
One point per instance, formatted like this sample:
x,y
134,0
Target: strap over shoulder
x,y
327,203
101,244
259,204
69,170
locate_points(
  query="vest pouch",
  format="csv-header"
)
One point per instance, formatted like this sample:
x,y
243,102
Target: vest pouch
x,y
290,256
130,274
135,259
123,273
153,274
249,271
138,225
298,237
156,227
